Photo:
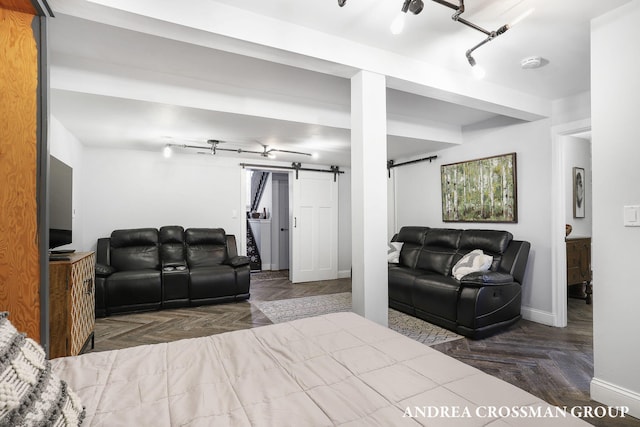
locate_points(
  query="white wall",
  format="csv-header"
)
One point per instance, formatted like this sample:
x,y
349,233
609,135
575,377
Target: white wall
x,y
571,108
615,90
418,198
131,189
128,189
67,148
577,153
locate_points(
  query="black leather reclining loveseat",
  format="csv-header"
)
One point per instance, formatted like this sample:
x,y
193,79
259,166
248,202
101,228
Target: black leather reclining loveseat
x,y
480,303
149,269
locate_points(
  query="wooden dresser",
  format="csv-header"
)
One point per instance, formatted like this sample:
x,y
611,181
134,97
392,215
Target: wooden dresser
x,y
71,304
579,264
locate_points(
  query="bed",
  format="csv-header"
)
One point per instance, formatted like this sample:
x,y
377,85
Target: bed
x,y
335,369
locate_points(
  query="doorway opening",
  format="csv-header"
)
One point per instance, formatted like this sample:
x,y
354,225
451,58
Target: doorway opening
x,y
572,218
267,212
577,171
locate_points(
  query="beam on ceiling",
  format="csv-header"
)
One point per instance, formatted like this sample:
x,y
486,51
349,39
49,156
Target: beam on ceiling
x,y
261,37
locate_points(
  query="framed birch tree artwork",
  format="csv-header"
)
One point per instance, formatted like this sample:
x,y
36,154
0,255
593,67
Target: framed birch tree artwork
x,y
481,190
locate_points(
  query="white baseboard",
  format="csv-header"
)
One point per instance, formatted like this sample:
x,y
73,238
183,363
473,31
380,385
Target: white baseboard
x,y
538,316
613,395
344,274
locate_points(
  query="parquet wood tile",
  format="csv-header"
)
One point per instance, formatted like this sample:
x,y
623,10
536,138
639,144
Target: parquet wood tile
x,y
555,364
129,330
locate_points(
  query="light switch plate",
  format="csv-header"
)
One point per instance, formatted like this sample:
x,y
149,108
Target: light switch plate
x,y
632,216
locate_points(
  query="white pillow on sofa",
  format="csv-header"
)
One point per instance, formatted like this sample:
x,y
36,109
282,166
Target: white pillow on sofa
x,y
393,255
30,393
470,263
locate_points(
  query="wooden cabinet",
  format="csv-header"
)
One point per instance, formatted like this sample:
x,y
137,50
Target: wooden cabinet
x,y
71,304
579,264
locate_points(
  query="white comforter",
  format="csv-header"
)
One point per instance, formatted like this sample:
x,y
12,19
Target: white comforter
x,y
336,369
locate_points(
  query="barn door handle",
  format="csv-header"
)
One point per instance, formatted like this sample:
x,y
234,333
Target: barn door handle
x,y
295,222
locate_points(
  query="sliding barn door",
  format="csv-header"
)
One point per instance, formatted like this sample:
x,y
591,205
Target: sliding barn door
x,y
314,227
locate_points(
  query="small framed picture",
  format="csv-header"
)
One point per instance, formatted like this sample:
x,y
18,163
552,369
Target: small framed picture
x,y
578,192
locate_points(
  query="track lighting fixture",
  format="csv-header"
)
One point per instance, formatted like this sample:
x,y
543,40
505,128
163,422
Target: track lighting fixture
x,y
459,10
490,35
213,147
413,6
416,6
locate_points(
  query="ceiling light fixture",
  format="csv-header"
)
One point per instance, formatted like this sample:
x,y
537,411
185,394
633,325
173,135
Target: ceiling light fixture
x,y
167,152
213,148
490,34
413,6
459,10
416,6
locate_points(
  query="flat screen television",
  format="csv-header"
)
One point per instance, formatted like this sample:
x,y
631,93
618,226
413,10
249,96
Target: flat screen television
x,y
60,203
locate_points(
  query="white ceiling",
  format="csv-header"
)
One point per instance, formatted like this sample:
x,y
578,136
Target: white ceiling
x,y
557,30
120,79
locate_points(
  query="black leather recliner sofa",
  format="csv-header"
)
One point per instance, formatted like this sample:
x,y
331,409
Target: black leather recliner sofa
x,y
475,306
149,269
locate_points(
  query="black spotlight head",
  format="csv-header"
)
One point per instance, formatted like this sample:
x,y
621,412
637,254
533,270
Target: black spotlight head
x,y
416,6
342,2
471,59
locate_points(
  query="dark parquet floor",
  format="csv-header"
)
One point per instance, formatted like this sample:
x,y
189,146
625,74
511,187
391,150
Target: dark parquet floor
x,y
129,330
555,364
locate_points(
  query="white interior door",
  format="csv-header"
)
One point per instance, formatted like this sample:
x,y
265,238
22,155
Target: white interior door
x,y
314,227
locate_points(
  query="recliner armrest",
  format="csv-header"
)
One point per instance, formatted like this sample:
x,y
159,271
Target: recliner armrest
x,y
104,270
486,278
238,261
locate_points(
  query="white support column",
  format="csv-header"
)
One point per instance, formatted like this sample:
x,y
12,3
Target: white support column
x,y
369,196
